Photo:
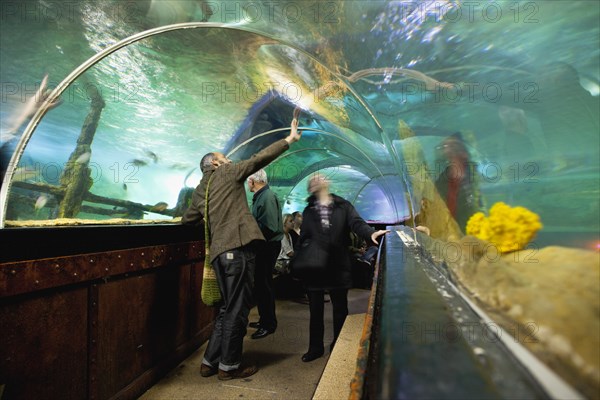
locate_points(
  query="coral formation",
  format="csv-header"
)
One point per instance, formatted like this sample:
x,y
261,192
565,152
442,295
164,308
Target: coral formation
x,y
508,228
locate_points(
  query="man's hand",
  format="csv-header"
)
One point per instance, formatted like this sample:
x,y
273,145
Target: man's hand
x,y
294,135
423,229
32,105
376,234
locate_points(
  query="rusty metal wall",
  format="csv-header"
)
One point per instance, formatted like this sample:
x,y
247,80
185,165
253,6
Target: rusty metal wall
x,y
99,325
43,345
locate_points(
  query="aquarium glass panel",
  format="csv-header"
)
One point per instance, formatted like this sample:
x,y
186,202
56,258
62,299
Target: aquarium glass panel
x,y
429,111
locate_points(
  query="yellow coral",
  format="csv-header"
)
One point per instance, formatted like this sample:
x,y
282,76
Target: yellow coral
x,y
508,228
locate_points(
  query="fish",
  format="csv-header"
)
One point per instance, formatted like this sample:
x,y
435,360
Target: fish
x,y
513,119
25,173
138,163
179,166
84,158
41,202
124,186
119,212
119,215
158,207
152,155
591,85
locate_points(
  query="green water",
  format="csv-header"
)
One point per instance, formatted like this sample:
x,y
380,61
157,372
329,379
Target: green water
x,y
524,98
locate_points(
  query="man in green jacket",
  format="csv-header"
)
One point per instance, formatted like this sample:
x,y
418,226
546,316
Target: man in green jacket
x,y
233,232
266,209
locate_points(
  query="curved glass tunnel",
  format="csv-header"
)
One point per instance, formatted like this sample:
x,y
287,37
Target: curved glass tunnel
x,y
376,80
420,113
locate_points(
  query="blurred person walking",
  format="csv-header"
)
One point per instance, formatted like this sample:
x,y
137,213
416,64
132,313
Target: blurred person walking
x,y
328,219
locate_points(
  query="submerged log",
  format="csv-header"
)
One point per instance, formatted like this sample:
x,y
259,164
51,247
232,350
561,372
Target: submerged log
x,y
126,206
76,178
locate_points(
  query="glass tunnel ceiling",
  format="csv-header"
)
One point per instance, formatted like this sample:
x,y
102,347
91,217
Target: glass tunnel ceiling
x,y
262,109
380,67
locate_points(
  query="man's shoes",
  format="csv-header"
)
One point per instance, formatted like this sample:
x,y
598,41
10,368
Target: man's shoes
x,y
261,333
312,355
254,325
241,372
207,371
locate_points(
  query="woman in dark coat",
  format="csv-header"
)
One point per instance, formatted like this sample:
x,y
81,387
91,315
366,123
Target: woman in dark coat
x,y
328,219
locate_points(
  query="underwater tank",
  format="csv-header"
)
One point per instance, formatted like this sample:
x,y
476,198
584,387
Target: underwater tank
x,y
478,121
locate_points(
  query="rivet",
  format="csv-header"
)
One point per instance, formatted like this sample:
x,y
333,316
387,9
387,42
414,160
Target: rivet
x,y
75,274
131,265
152,260
142,253
37,282
106,269
91,260
119,256
13,272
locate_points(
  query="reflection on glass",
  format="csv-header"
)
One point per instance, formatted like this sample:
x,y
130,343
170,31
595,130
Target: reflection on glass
x,y
422,112
118,158
530,126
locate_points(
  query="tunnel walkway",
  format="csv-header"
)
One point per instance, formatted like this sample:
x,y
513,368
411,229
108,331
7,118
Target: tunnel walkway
x,y
281,375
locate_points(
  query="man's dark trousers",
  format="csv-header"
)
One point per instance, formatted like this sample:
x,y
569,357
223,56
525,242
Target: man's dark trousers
x,y
235,274
266,257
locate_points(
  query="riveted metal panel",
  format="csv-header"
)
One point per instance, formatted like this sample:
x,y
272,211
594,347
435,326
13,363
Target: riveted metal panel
x,y
141,320
137,314
92,356
27,276
43,350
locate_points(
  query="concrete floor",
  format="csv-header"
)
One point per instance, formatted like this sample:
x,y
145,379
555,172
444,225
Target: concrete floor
x,y
281,375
